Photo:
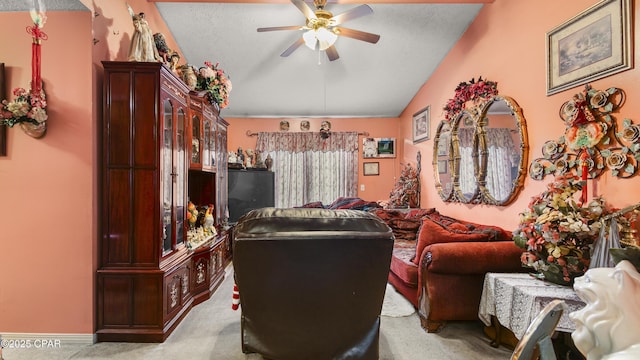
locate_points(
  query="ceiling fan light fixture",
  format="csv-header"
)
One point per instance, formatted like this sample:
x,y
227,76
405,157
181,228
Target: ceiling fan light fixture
x,y
322,37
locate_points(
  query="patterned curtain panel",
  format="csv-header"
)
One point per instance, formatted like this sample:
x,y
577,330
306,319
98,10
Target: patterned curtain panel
x,y
309,168
502,161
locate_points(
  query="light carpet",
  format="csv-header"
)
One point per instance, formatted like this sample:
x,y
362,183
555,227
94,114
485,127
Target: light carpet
x,y
395,305
211,331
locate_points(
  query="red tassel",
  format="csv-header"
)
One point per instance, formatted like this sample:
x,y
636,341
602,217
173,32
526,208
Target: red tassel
x,y
585,171
35,69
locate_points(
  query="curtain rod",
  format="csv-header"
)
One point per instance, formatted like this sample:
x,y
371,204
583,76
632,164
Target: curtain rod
x,y
251,133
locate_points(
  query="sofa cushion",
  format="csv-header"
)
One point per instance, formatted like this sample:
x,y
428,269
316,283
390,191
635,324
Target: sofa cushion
x,y
401,265
447,230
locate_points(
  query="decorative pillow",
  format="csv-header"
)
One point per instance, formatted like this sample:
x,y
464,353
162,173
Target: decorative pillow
x,y
432,232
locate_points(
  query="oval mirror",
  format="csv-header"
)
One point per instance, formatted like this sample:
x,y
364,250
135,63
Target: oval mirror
x,y
464,140
503,152
442,161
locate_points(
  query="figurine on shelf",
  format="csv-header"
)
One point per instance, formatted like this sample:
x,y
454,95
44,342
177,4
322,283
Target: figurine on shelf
x,y
233,158
188,75
250,158
268,162
161,45
143,47
240,156
259,162
209,226
192,215
173,62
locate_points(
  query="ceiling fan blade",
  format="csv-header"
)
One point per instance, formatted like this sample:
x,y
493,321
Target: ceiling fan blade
x,y
306,10
332,53
293,47
354,13
275,28
357,34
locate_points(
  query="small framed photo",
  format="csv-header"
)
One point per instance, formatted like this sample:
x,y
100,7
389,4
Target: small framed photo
x,y
442,167
421,128
592,45
371,168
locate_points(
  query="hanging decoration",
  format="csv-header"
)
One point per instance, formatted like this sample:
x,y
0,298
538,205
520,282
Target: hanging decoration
x,y
593,142
29,107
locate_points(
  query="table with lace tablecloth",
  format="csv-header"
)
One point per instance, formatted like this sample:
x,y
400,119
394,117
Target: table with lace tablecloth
x,y
515,299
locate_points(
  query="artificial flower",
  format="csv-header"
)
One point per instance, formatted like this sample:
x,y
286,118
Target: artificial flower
x,y
25,108
482,90
631,133
215,82
556,232
616,160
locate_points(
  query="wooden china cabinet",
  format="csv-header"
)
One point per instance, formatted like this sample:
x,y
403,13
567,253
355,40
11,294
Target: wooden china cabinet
x,y
159,142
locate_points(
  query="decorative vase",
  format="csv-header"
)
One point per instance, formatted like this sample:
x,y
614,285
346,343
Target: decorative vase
x,y
33,130
576,267
268,162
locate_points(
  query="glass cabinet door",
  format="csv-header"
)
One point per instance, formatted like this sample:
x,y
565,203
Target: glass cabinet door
x,y
181,175
167,177
206,153
222,213
195,140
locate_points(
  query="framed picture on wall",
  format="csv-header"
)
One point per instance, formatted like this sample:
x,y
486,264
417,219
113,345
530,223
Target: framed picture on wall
x,y
378,148
592,45
3,129
371,168
421,125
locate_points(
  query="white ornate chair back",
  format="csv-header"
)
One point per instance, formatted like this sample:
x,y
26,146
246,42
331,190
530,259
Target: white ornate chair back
x,y
539,333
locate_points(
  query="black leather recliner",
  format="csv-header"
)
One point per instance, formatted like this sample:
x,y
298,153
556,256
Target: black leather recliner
x,y
311,282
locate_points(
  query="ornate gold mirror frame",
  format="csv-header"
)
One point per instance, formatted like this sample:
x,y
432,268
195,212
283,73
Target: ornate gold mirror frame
x,y
480,157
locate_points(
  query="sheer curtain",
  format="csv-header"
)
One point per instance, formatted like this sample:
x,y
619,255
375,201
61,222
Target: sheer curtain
x,y
309,168
500,162
467,179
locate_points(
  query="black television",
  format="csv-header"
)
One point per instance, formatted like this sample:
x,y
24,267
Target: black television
x,y
249,190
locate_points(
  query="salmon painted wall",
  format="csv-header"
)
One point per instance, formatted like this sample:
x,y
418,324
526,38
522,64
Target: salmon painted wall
x,y
47,228
375,187
48,186
507,43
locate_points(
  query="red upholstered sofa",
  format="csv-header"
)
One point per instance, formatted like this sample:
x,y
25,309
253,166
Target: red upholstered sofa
x,y
439,262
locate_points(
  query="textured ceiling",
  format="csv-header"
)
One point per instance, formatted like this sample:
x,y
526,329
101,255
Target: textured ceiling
x,y
368,80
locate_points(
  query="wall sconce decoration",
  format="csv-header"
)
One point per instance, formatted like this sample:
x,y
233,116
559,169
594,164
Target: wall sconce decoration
x,y
594,141
29,107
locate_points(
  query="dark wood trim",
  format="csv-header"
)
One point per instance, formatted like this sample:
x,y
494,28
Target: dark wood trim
x,y
3,129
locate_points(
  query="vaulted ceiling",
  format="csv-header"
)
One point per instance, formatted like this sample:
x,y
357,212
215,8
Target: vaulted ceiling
x,y
368,80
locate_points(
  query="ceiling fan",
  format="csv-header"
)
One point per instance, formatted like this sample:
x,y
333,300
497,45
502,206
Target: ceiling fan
x,y
322,28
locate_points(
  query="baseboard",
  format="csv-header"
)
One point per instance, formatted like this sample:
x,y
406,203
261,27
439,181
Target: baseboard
x,y
51,339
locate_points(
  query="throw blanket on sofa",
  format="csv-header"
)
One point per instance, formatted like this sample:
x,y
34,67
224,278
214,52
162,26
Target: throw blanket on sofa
x,y
353,203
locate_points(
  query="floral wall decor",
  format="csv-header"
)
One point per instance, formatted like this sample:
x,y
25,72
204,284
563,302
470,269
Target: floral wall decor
x,y
593,141
29,106
473,92
215,83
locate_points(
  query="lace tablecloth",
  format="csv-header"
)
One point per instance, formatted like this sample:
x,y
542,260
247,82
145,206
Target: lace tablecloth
x,y
516,299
